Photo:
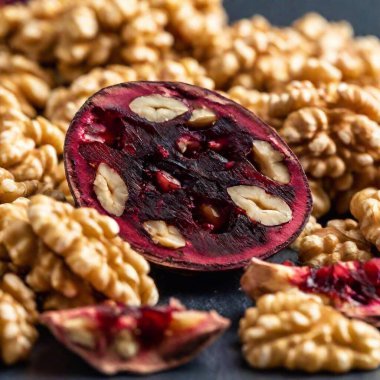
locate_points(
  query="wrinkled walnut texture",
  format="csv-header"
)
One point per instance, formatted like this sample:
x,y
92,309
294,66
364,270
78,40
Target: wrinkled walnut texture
x,y
365,206
296,331
340,240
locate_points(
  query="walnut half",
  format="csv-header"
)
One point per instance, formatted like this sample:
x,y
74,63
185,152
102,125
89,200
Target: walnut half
x,y
110,189
260,206
298,332
157,108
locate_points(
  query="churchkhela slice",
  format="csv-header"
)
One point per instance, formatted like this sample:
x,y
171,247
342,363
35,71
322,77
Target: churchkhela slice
x,y
352,287
113,337
194,180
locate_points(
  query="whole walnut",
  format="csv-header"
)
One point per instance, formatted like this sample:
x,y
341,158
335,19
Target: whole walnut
x,y
297,331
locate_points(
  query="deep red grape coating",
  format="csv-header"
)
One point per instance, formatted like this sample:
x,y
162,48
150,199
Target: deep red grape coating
x,y
194,180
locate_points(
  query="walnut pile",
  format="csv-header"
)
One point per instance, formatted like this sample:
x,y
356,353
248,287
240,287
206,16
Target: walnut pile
x,y
72,257
340,240
365,206
297,331
78,36
18,315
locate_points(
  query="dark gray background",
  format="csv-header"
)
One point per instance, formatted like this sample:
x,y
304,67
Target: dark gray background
x,y
222,361
364,15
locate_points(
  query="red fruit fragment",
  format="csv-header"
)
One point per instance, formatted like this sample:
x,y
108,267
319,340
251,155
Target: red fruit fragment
x,y
167,182
189,145
352,287
113,337
205,142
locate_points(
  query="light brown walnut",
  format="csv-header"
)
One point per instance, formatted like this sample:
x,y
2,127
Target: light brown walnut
x,y
14,144
340,240
26,80
292,99
311,226
10,189
365,206
24,162
36,164
297,331
308,131
89,244
56,180
14,286
8,101
321,200
197,24
317,71
17,210
358,100
43,132
17,318
252,99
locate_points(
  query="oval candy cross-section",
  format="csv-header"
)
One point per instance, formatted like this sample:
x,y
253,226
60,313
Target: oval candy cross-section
x,y
207,185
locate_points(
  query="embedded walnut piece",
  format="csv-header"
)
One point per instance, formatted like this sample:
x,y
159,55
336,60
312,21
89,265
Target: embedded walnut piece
x,y
110,189
88,242
202,117
260,206
296,331
270,161
163,234
350,287
157,108
126,345
17,331
200,187
365,206
80,331
340,240
113,337
310,228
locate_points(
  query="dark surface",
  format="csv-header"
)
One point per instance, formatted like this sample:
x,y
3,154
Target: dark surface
x,y
222,361
362,14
